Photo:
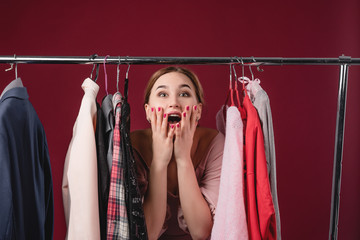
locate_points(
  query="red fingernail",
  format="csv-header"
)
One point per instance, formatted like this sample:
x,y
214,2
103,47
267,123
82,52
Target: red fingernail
x,y
152,109
165,115
184,114
195,107
159,109
172,125
187,108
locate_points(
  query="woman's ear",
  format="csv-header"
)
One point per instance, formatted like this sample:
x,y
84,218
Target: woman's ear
x,y
147,111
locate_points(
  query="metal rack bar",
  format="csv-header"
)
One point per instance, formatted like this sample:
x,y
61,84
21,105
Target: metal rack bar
x,y
179,60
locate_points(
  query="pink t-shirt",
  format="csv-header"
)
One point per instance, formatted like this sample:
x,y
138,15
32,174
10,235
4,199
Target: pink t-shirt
x,y
208,176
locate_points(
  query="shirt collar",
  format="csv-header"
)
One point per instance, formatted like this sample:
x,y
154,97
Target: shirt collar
x,y
13,84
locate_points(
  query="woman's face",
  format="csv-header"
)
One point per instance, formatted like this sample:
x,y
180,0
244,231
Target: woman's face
x,y
173,92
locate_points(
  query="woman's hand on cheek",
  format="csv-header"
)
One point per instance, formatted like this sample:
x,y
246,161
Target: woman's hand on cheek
x,y
162,136
184,134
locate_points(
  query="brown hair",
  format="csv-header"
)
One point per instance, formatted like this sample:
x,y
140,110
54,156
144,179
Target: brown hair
x,y
194,79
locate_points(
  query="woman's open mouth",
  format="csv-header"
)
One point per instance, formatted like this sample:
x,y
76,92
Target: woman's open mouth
x,y
174,118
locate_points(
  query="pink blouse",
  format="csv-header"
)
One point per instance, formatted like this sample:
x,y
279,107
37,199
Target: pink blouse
x,y
208,176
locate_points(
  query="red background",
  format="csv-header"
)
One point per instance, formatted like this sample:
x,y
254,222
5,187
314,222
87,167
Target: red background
x,y
303,98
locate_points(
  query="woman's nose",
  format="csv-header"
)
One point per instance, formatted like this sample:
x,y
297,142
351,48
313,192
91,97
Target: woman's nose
x,y
174,102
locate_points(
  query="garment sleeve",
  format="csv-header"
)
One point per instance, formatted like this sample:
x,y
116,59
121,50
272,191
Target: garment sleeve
x,y
6,210
141,173
209,180
49,195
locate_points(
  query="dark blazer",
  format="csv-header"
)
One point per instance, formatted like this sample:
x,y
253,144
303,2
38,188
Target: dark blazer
x,y
26,202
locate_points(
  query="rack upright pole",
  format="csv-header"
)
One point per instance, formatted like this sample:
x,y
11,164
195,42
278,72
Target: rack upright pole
x,y
338,152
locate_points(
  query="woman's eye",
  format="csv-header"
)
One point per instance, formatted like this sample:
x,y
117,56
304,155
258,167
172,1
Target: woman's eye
x,y
161,94
184,94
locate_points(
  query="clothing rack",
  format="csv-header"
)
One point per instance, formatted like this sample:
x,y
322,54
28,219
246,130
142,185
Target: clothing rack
x,y
343,61
178,60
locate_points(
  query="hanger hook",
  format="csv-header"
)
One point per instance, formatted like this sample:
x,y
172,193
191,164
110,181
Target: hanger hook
x,y
12,67
258,67
242,67
16,73
106,78
92,57
242,63
230,76
230,87
252,75
118,75
97,72
233,71
127,71
243,71
235,75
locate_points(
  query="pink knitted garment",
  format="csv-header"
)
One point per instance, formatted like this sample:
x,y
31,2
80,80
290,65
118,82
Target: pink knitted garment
x,y
230,217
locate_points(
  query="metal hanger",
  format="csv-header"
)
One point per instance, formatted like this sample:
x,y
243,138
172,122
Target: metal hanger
x,y
92,57
127,71
242,79
126,82
106,79
236,87
231,88
252,74
12,67
117,75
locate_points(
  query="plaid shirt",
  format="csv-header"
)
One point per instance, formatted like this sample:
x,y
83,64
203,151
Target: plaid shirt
x,y
117,219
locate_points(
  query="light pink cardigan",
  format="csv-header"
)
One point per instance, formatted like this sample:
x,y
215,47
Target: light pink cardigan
x,y
230,218
80,185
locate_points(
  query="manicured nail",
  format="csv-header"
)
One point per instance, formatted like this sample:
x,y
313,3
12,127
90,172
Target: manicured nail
x,y
159,109
172,125
152,109
187,108
178,124
195,107
184,114
165,115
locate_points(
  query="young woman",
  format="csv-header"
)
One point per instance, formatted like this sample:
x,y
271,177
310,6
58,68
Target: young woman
x,y
178,162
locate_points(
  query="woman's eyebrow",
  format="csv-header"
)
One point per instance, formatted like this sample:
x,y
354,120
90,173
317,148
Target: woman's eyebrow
x,y
166,87
161,86
184,85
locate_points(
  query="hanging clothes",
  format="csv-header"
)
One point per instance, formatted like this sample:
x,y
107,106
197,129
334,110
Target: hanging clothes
x,y
260,209
262,104
26,202
80,181
134,206
107,109
103,171
230,218
117,217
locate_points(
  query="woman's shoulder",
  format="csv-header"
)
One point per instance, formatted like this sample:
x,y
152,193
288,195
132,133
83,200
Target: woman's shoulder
x,y
140,136
207,134
207,138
